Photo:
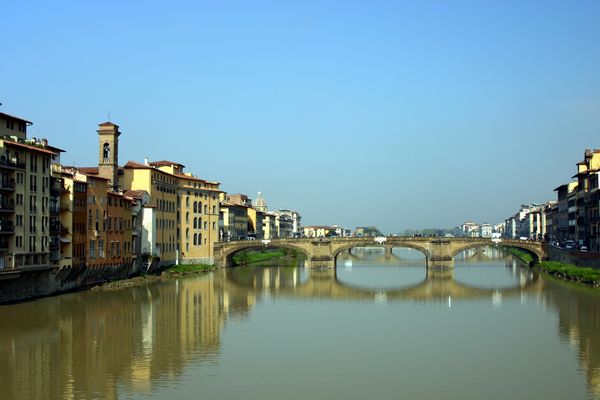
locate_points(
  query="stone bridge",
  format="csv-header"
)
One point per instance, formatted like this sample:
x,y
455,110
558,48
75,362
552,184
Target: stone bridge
x,y
322,252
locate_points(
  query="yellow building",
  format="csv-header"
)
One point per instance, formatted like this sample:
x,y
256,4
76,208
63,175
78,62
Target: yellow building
x,y
187,209
162,187
197,213
269,226
255,223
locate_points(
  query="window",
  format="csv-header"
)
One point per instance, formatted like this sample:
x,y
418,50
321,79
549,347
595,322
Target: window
x,y
92,249
106,152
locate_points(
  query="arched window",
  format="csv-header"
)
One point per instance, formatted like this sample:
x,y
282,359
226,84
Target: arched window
x,y
195,222
187,233
106,151
199,207
199,239
187,217
195,206
195,239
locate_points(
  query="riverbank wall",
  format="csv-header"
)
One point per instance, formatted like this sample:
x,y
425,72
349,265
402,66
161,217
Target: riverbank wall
x,y
578,258
27,285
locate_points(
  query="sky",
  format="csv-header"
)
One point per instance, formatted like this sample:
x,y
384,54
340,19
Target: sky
x,y
399,114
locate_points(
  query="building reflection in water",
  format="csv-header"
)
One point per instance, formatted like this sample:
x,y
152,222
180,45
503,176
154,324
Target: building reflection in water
x,y
98,344
89,344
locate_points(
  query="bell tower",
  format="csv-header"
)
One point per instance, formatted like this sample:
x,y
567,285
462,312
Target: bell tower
x,y
108,150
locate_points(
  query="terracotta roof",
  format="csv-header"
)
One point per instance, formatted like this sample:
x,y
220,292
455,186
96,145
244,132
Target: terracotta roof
x,y
229,204
165,163
88,170
56,149
193,178
136,194
95,176
14,117
26,146
137,165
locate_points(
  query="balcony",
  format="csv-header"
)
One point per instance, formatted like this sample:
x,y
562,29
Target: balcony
x,y
54,228
6,228
7,184
7,207
11,164
54,243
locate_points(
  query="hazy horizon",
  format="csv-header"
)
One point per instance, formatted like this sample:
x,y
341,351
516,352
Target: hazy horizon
x,y
399,116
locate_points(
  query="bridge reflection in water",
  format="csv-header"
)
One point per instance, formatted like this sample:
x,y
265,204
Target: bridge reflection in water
x,y
435,286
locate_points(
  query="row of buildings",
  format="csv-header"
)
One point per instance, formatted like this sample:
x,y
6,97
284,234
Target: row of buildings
x,y
473,229
133,215
572,216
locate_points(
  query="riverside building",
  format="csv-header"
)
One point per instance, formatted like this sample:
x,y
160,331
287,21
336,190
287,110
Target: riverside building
x,y
24,198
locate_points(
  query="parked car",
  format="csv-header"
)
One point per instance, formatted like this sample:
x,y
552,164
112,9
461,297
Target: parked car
x,y
583,248
570,244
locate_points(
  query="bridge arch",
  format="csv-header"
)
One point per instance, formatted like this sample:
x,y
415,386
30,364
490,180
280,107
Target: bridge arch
x,y
258,245
408,245
518,244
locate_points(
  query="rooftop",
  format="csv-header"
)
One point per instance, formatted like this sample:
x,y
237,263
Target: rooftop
x,y
14,117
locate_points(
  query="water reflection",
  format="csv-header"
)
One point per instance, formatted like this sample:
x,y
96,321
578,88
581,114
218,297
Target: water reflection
x,y
108,344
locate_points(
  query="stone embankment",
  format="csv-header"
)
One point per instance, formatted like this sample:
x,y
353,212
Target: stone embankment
x,y
561,270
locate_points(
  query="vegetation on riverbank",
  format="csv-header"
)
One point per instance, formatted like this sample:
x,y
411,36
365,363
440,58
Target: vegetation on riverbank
x,y
588,276
521,255
171,271
253,256
188,268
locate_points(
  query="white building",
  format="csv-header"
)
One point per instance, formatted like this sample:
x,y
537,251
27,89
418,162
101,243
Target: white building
x,y
485,231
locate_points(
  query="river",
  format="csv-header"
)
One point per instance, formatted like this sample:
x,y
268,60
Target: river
x,y
376,326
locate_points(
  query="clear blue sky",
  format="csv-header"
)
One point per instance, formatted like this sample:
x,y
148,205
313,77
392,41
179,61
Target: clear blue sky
x,y
395,114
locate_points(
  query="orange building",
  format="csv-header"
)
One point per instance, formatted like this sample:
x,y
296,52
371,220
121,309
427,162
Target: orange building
x,y
118,232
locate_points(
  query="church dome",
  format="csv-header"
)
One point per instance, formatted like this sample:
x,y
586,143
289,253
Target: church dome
x,y
260,204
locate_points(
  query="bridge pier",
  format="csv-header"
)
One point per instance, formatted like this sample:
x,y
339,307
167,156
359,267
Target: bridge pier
x,y
320,262
440,263
388,252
